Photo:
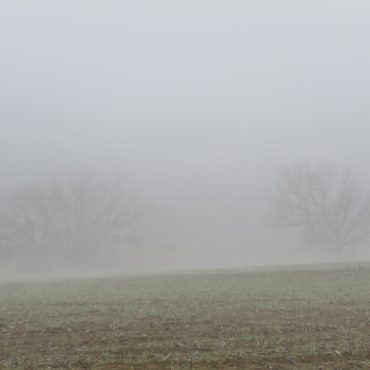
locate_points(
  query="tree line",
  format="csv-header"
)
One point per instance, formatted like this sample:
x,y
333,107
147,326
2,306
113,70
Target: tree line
x,y
73,220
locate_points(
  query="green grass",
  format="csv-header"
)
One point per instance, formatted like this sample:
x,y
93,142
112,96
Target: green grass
x,y
303,318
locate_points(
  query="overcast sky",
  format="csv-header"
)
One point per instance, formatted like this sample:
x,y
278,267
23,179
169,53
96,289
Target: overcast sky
x,y
197,102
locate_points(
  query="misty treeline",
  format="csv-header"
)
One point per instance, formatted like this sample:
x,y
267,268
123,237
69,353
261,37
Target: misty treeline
x,y
328,206
68,221
75,221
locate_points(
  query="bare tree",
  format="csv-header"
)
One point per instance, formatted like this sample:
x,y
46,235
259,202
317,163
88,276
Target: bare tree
x,y
69,219
328,206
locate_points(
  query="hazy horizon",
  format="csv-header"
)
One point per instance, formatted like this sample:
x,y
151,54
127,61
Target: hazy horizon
x,y
196,103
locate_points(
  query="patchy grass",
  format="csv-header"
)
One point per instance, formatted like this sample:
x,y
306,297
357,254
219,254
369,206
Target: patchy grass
x,y
309,318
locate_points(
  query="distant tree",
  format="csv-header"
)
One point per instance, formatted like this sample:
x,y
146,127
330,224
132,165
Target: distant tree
x,y
67,220
328,206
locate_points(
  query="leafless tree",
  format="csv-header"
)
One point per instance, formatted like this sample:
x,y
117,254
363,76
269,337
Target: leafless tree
x,y
329,207
69,219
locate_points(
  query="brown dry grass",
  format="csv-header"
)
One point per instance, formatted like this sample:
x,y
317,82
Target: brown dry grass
x,y
316,318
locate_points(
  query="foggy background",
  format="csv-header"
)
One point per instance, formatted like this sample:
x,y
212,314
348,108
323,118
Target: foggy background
x,y
196,103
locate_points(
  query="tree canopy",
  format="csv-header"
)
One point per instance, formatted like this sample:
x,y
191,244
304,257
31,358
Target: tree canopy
x,y
69,219
328,206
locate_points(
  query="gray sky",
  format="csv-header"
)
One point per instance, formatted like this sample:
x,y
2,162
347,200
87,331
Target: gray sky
x,y
198,102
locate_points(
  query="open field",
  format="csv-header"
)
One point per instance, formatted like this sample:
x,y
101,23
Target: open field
x,y
303,318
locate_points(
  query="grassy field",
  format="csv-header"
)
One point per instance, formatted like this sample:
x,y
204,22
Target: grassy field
x,y
296,318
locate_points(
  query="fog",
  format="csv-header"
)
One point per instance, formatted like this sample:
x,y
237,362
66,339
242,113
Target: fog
x,y
196,104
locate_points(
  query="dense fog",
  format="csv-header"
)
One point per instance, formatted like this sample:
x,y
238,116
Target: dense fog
x,y
196,104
